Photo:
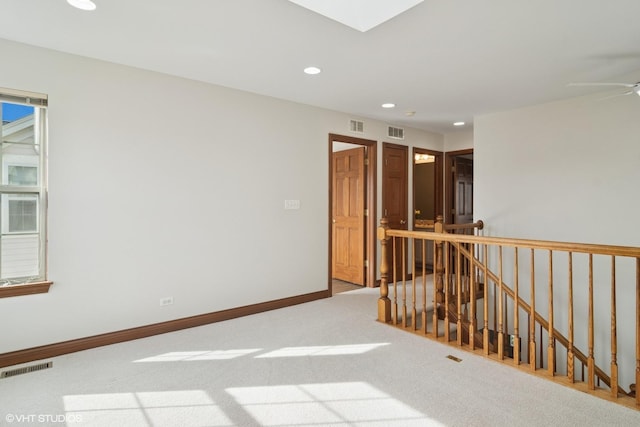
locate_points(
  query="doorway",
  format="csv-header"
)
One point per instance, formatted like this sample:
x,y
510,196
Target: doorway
x,y
352,213
459,186
427,199
427,187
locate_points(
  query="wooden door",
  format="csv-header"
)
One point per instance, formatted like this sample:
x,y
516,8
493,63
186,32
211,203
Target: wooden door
x,y
348,228
463,190
395,190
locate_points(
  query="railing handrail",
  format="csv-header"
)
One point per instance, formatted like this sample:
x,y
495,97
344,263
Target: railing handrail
x,y
462,261
596,249
478,224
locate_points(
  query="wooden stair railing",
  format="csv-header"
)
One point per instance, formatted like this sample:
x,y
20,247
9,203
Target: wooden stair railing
x,y
470,290
557,336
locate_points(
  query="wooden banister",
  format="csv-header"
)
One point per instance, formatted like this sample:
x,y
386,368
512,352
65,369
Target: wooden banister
x,y
462,273
545,325
587,248
454,227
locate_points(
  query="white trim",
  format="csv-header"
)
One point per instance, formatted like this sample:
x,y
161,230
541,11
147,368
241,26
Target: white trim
x,y
14,93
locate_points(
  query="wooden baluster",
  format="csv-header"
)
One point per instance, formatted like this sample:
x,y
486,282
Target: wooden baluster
x,y
466,295
473,322
414,311
637,330
495,311
485,332
570,353
459,295
500,308
516,317
532,315
614,332
438,280
424,286
528,339
551,344
590,359
395,282
541,349
403,258
437,283
505,327
447,329
384,303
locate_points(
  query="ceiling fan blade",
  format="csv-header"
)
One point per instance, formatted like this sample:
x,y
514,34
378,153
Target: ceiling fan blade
x,y
603,84
617,95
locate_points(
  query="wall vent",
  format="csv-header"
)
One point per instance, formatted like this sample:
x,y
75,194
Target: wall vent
x,y
356,126
395,133
25,370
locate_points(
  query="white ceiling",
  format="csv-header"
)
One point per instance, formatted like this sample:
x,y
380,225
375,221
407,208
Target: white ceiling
x,y
446,60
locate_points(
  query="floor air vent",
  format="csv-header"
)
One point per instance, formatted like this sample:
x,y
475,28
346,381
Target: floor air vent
x,y
25,370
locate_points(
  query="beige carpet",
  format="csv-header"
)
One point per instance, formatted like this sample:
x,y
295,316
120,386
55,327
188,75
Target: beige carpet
x,y
324,363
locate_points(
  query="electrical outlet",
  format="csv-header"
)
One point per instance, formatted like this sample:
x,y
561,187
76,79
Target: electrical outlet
x,y
166,301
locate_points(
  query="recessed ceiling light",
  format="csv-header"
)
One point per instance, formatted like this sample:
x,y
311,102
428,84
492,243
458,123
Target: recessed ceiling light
x,y
458,124
312,70
388,105
82,4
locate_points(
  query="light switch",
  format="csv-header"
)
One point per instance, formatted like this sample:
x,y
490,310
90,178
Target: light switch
x,y
292,204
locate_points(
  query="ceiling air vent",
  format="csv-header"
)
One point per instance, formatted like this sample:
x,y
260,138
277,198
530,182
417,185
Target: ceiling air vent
x,y
395,133
356,126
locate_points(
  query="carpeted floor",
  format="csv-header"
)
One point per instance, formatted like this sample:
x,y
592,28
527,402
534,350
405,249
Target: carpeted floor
x,y
324,363
339,286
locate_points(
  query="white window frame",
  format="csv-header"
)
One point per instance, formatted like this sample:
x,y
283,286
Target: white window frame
x,y
39,102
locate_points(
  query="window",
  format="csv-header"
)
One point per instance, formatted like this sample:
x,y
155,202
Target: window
x,y
23,215
23,175
22,189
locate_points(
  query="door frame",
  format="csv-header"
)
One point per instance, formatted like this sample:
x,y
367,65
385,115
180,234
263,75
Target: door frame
x,y
438,184
370,205
449,185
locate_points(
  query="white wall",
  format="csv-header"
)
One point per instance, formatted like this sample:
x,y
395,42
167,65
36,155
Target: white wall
x,y
458,140
568,171
161,186
562,171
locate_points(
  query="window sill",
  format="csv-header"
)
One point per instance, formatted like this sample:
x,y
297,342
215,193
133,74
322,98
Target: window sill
x,y
25,289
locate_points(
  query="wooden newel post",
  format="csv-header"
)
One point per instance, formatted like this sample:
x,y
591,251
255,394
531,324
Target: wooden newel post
x,y
384,303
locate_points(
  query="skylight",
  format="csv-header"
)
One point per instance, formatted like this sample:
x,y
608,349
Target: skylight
x,y
361,15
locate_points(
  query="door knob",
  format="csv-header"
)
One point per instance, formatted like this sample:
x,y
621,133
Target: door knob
x,y
402,221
